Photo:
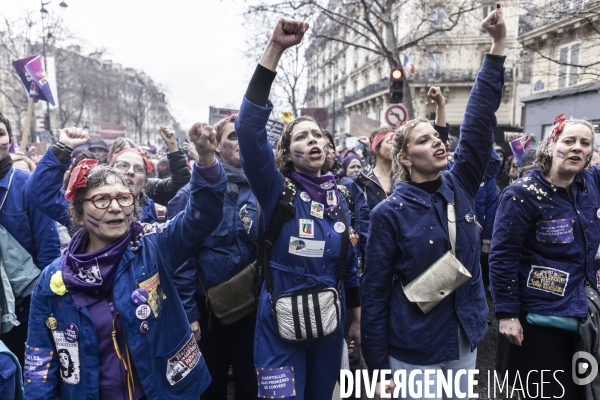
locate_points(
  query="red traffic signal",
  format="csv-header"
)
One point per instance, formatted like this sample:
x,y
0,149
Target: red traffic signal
x,y
396,85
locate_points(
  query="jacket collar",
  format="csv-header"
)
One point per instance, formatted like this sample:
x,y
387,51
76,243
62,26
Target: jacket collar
x,y
536,172
414,194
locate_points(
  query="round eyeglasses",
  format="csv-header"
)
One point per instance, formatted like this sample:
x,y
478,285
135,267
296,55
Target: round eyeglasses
x,y
103,201
124,166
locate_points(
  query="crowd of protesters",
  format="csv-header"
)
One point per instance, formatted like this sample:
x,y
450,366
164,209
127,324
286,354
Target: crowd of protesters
x,y
130,277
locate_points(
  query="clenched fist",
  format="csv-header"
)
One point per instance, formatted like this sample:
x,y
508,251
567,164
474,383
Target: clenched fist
x,y
73,137
204,138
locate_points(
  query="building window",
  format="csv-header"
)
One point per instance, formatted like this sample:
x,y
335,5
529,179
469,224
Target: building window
x,y
546,130
435,66
436,18
355,85
567,72
355,57
379,74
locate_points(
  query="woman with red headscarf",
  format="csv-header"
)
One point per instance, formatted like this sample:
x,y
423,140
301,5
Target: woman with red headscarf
x,y
544,252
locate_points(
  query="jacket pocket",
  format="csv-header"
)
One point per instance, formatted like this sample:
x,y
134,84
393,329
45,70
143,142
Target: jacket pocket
x,y
409,327
478,300
184,368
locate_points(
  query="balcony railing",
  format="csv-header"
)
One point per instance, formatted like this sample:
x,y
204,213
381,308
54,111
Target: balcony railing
x,y
452,76
367,91
539,17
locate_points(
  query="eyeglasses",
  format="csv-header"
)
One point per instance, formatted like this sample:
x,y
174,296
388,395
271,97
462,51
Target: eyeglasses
x,y
103,201
232,135
124,166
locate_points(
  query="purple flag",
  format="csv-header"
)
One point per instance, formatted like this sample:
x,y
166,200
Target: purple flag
x,y
34,79
519,147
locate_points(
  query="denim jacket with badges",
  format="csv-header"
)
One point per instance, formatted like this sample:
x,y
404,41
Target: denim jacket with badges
x,y
44,191
409,232
29,226
528,271
291,269
224,253
156,253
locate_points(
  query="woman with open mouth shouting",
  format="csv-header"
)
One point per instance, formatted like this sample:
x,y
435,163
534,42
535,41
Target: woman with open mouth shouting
x,y
108,308
306,256
423,301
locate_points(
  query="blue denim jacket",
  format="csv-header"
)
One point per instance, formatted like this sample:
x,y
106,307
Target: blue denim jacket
x,y
523,255
224,253
408,233
159,250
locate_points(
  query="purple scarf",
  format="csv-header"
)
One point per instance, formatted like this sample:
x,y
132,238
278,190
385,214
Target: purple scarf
x,y
89,277
317,188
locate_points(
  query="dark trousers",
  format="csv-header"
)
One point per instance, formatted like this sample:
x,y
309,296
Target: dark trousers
x,y
15,341
542,349
225,345
485,268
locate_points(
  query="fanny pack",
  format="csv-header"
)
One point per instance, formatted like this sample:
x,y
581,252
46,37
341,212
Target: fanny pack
x,y
441,278
550,321
309,315
232,300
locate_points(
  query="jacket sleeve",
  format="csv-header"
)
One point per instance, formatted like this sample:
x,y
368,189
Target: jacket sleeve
x,y
257,156
476,131
37,352
163,190
180,238
185,283
511,225
376,292
45,237
177,203
491,204
43,189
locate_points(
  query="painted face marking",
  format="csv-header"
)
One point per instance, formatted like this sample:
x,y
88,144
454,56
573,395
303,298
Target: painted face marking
x,y
4,144
95,225
94,218
560,154
299,154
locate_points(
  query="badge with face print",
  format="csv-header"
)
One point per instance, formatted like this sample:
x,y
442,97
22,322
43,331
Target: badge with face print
x,y
305,197
339,227
68,357
51,323
245,217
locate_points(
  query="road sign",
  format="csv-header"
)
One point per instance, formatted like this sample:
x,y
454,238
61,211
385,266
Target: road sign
x,y
396,114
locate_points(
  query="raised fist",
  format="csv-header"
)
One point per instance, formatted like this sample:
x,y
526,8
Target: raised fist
x,y
73,137
435,94
204,138
494,24
168,136
288,32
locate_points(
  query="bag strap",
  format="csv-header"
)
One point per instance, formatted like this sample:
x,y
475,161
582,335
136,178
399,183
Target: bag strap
x,y
344,246
452,226
349,200
284,211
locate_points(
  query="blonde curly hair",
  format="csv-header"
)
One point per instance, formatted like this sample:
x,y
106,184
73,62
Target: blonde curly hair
x,y
399,145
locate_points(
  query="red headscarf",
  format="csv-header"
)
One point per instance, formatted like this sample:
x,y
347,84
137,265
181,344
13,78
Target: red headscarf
x,y
378,138
147,163
559,124
78,177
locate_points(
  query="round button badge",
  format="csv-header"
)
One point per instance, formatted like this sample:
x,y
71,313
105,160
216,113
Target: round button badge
x,y
144,327
71,332
139,297
51,323
143,311
339,227
305,197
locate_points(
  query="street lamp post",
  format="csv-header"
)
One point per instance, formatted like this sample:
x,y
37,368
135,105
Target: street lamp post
x,y
47,39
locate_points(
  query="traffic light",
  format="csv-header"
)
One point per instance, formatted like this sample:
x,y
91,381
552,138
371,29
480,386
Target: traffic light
x,y
396,85
40,124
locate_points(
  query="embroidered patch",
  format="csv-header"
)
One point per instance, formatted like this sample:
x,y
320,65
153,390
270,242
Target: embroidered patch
x,y
68,358
598,280
332,199
180,365
548,280
155,293
326,185
306,248
276,382
555,231
90,276
307,228
317,209
37,364
245,217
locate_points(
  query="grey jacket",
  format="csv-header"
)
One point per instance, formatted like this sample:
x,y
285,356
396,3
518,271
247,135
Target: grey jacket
x,y
18,275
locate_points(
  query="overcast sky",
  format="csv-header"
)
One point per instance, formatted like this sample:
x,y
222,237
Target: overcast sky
x,y
192,48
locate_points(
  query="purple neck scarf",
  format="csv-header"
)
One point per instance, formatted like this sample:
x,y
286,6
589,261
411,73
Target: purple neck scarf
x,y
89,277
322,189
